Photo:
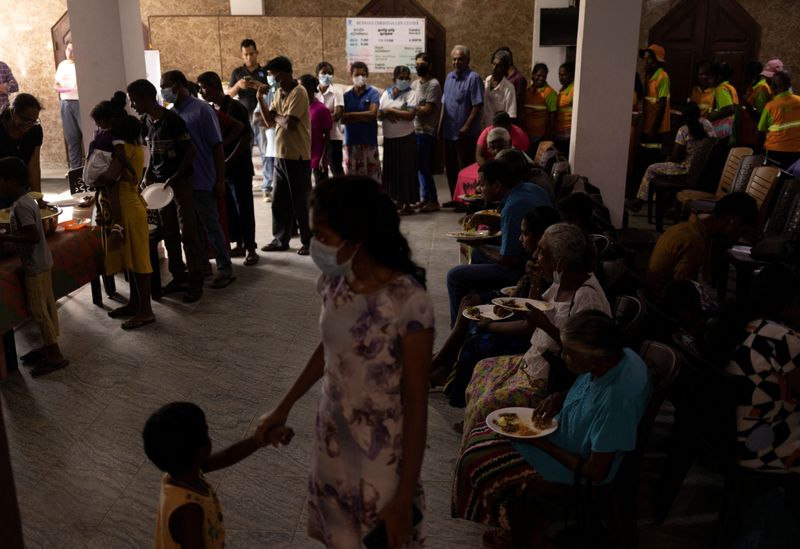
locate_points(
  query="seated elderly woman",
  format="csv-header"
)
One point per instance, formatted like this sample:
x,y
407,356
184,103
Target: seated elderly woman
x,y
513,485
513,136
471,341
565,259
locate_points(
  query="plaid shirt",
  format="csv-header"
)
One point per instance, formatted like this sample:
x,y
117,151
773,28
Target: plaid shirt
x,y
7,78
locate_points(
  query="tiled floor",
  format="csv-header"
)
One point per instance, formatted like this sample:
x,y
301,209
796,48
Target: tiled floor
x,y
83,480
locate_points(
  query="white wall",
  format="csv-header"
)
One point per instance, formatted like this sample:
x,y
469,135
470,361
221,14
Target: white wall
x,y
608,36
553,56
109,51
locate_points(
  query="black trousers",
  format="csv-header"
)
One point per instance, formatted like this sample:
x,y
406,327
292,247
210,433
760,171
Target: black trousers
x,y
290,190
458,155
336,157
241,215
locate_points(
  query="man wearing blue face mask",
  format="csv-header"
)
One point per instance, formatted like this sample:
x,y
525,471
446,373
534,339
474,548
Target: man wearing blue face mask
x,y
396,111
208,168
331,96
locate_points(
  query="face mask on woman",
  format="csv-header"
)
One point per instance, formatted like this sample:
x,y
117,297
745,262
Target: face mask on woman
x,y
360,81
402,84
324,257
325,79
270,81
422,70
168,95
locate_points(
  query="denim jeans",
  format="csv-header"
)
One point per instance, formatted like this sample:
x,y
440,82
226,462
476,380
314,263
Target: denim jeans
x,y
71,121
427,185
268,169
463,280
205,203
260,139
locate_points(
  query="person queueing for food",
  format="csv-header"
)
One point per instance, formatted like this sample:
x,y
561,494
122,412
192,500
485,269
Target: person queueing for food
x,y
494,267
27,233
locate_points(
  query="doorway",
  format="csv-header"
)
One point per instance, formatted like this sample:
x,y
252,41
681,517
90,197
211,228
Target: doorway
x,y
696,30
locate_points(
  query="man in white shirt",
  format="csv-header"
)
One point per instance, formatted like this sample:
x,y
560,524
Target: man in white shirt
x,y
67,88
499,94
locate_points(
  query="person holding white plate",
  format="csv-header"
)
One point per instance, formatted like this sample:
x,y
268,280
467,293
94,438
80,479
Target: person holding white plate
x,y
517,485
565,258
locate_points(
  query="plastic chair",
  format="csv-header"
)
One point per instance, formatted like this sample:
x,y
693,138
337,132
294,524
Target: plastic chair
x,y
662,188
759,186
725,185
628,313
540,150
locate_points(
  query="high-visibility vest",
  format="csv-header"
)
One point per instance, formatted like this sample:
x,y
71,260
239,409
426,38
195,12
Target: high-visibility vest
x,y
658,87
538,106
564,113
781,121
703,98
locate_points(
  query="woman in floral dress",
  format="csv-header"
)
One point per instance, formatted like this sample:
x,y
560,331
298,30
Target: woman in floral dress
x,y
374,358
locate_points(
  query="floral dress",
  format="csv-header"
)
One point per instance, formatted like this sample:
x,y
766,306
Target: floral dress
x,y
358,437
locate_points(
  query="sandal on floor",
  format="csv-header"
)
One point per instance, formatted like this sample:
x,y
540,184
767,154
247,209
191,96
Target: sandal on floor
x,y
221,281
134,323
497,539
252,258
44,368
120,312
32,357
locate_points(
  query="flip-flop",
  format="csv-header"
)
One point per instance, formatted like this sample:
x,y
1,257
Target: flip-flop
x,y
223,282
120,312
32,357
251,259
43,368
132,324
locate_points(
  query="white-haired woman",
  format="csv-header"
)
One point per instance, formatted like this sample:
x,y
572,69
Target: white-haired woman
x,y
565,258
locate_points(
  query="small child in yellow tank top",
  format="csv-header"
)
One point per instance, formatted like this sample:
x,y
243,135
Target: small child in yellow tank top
x,y
176,441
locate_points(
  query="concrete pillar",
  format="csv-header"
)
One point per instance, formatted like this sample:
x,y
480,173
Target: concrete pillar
x,y
608,36
109,51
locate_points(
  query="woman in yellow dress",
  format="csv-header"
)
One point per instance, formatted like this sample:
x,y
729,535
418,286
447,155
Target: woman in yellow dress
x,y
133,252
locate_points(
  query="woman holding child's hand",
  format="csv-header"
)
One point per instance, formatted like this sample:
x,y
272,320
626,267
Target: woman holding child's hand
x,y
374,359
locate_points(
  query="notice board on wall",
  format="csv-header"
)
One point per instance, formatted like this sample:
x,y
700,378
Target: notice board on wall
x,y
383,42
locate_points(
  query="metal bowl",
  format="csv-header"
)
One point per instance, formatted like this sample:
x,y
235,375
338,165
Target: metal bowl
x,y
50,215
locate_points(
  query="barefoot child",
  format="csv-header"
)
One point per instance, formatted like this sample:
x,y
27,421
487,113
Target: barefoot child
x,y
176,441
28,234
108,144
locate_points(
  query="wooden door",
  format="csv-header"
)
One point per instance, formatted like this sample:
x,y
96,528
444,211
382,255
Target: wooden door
x,y
695,30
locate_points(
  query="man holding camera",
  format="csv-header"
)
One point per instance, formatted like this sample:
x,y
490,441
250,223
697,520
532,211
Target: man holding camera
x,y
244,82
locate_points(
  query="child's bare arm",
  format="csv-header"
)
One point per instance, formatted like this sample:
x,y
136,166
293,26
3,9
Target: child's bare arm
x,y
27,235
186,526
240,450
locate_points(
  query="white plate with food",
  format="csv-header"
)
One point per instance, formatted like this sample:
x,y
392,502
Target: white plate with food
x,y
157,196
471,197
473,234
508,290
488,213
519,304
485,312
519,423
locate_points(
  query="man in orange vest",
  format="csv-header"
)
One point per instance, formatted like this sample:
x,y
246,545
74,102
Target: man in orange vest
x,y
656,101
780,122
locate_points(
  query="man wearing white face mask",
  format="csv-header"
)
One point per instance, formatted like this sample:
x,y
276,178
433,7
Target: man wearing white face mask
x,y
331,96
397,110
360,119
